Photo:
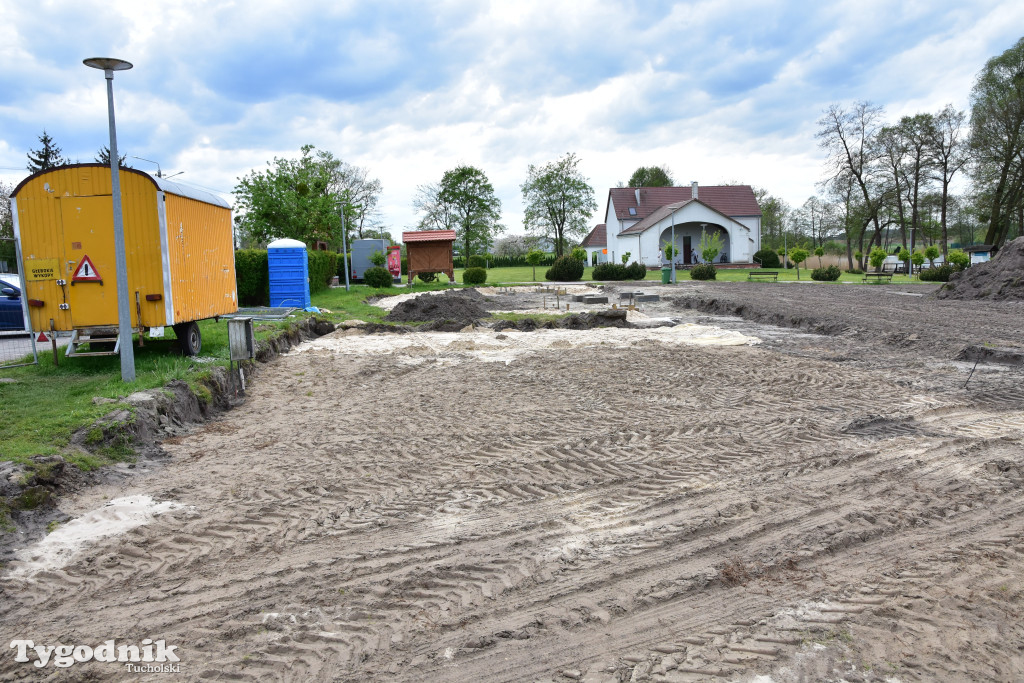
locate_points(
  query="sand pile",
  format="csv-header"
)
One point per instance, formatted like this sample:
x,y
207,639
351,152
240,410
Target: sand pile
x,y
1002,278
455,307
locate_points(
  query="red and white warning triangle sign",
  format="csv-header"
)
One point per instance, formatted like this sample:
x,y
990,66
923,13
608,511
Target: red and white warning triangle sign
x,y
86,272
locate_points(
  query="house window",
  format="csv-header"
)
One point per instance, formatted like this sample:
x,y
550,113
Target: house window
x,y
632,211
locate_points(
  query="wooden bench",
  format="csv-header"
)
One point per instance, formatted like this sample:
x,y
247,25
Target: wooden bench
x,y
759,274
877,277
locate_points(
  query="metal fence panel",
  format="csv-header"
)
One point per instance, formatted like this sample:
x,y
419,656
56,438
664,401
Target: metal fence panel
x,y
17,347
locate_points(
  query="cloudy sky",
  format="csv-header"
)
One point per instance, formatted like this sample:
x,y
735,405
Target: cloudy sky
x,y
723,90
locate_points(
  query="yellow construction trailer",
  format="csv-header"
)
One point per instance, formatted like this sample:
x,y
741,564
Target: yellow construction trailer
x,y
179,250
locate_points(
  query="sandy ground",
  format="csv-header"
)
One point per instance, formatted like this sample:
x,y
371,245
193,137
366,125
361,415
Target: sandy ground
x,y
458,507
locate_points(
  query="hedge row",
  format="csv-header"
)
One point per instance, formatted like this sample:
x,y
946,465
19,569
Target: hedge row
x,y
252,274
505,261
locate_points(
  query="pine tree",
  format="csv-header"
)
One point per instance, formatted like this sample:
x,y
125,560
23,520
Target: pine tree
x,y
103,157
47,157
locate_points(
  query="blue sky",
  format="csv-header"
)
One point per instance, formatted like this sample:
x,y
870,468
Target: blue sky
x,y
724,90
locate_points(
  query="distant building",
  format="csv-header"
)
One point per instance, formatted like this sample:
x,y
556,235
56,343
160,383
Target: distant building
x,y
642,219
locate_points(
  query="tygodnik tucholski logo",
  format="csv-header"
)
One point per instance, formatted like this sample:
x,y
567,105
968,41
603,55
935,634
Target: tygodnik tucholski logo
x,y
149,656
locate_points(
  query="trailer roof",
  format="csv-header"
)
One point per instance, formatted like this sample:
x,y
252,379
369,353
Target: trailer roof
x,y
183,190
163,184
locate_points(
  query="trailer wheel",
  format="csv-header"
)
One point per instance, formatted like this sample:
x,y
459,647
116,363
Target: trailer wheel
x,y
189,338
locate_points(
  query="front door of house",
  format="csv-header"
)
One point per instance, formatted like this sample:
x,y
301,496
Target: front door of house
x,y
687,249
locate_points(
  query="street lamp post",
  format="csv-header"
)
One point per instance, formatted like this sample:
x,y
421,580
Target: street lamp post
x,y
124,313
344,245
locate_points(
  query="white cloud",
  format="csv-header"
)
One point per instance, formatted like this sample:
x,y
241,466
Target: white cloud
x,y
720,89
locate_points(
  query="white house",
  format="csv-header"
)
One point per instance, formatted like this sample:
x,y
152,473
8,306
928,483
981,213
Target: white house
x,y
640,220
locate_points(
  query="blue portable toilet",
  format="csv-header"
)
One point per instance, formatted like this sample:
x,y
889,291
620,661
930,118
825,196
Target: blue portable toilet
x,y
289,274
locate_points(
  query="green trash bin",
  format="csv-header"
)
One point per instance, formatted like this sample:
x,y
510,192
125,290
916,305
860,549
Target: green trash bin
x,y
666,276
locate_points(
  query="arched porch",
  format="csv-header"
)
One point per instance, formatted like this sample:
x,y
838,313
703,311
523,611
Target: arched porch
x,y
687,240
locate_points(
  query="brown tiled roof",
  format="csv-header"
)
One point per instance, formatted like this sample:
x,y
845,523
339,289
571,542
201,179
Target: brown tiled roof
x,y
730,200
598,237
428,236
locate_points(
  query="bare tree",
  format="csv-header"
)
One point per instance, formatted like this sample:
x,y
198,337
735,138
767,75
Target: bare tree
x,y
363,194
849,139
949,155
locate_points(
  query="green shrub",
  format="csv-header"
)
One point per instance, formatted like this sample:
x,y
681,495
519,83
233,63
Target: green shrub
x,y
378,258
476,261
826,274
565,269
609,271
877,257
579,253
427,277
323,265
960,259
767,258
702,271
855,271
636,271
377,277
474,276
252,277
940,274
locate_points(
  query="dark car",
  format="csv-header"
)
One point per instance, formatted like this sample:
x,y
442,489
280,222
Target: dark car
x,y
11,316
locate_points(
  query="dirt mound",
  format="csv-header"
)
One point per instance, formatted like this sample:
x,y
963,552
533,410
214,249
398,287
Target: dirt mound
x,y
1000,279
452,308
578,321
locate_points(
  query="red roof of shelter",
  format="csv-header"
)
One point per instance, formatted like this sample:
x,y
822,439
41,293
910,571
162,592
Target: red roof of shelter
x,y
429,236
598,237
730,200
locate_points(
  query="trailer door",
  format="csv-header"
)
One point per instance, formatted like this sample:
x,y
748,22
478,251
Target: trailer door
x,y
89,260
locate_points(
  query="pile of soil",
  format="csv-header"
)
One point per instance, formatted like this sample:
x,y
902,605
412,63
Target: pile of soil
x,y
1001,279
577,321
454,308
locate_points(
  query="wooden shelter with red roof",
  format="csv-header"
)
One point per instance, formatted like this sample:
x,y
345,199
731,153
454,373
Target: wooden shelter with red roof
x,y
430,251
641,220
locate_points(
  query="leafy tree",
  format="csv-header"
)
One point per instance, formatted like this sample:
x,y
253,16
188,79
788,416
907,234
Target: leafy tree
x,y
103,157
997,139
917,258
534,257
46,157
774,214
931,252
711,245
877,257
559,201
798,256
958,258
295,198
904,257
464,201
513,246
651,176
6,219
579,253
669,249
819,252
7,251
625,257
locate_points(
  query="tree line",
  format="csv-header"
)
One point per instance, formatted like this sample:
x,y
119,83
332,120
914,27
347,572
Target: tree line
x,y
888,183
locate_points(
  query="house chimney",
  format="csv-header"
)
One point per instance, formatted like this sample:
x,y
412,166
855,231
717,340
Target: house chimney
x,y
637,193
693,190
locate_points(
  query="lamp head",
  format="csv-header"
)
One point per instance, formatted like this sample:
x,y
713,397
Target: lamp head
x,y
107,63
